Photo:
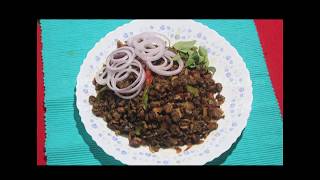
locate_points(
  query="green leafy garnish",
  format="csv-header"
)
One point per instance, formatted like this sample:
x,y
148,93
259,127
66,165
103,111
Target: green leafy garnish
x,y
190,52
184,45
145,97
201,59
194,48
183,55
184,50
194,91
203,52
206,63
176,57
190,62
203,56
194,56
193,60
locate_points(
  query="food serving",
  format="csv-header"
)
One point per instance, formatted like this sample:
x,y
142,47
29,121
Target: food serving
x,y
158,95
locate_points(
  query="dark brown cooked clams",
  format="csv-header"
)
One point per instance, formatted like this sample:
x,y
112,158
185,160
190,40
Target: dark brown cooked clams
x,y
174,117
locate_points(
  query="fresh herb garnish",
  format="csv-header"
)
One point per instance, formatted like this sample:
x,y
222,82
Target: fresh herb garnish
x,y
176,57
184,45
202,51
195,57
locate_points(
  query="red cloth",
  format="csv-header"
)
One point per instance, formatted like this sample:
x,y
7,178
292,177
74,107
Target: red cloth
x,y
40,106
271,37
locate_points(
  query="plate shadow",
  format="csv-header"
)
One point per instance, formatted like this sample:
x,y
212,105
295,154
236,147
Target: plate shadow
x,y
96,150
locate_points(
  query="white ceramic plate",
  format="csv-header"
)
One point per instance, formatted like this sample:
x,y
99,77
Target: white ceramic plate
x,y
231,71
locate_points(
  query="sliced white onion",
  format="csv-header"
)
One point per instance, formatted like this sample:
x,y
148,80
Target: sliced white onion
x,y
115,76
169,65
134,85
154,52
133,41
122,62
129,96
100,77
164,65
169,53
164,70
149,47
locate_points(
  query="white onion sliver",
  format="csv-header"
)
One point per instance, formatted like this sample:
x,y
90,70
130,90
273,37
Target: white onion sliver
x,y
146,35
129,96
114,77
133,86
169,65
165,72
150,54
126,62
169,53
99,76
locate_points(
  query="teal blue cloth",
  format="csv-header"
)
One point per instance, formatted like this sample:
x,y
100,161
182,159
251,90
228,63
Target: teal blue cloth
x,y
65,45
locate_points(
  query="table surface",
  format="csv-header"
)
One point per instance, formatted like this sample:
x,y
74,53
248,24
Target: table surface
x,y
271,38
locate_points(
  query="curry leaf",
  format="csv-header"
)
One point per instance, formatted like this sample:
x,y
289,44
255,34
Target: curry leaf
x,y
175,58
190,62
195,56
202,51
184,45
201,59
184,50
192,65
194,48
206,62
190,52
183,56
